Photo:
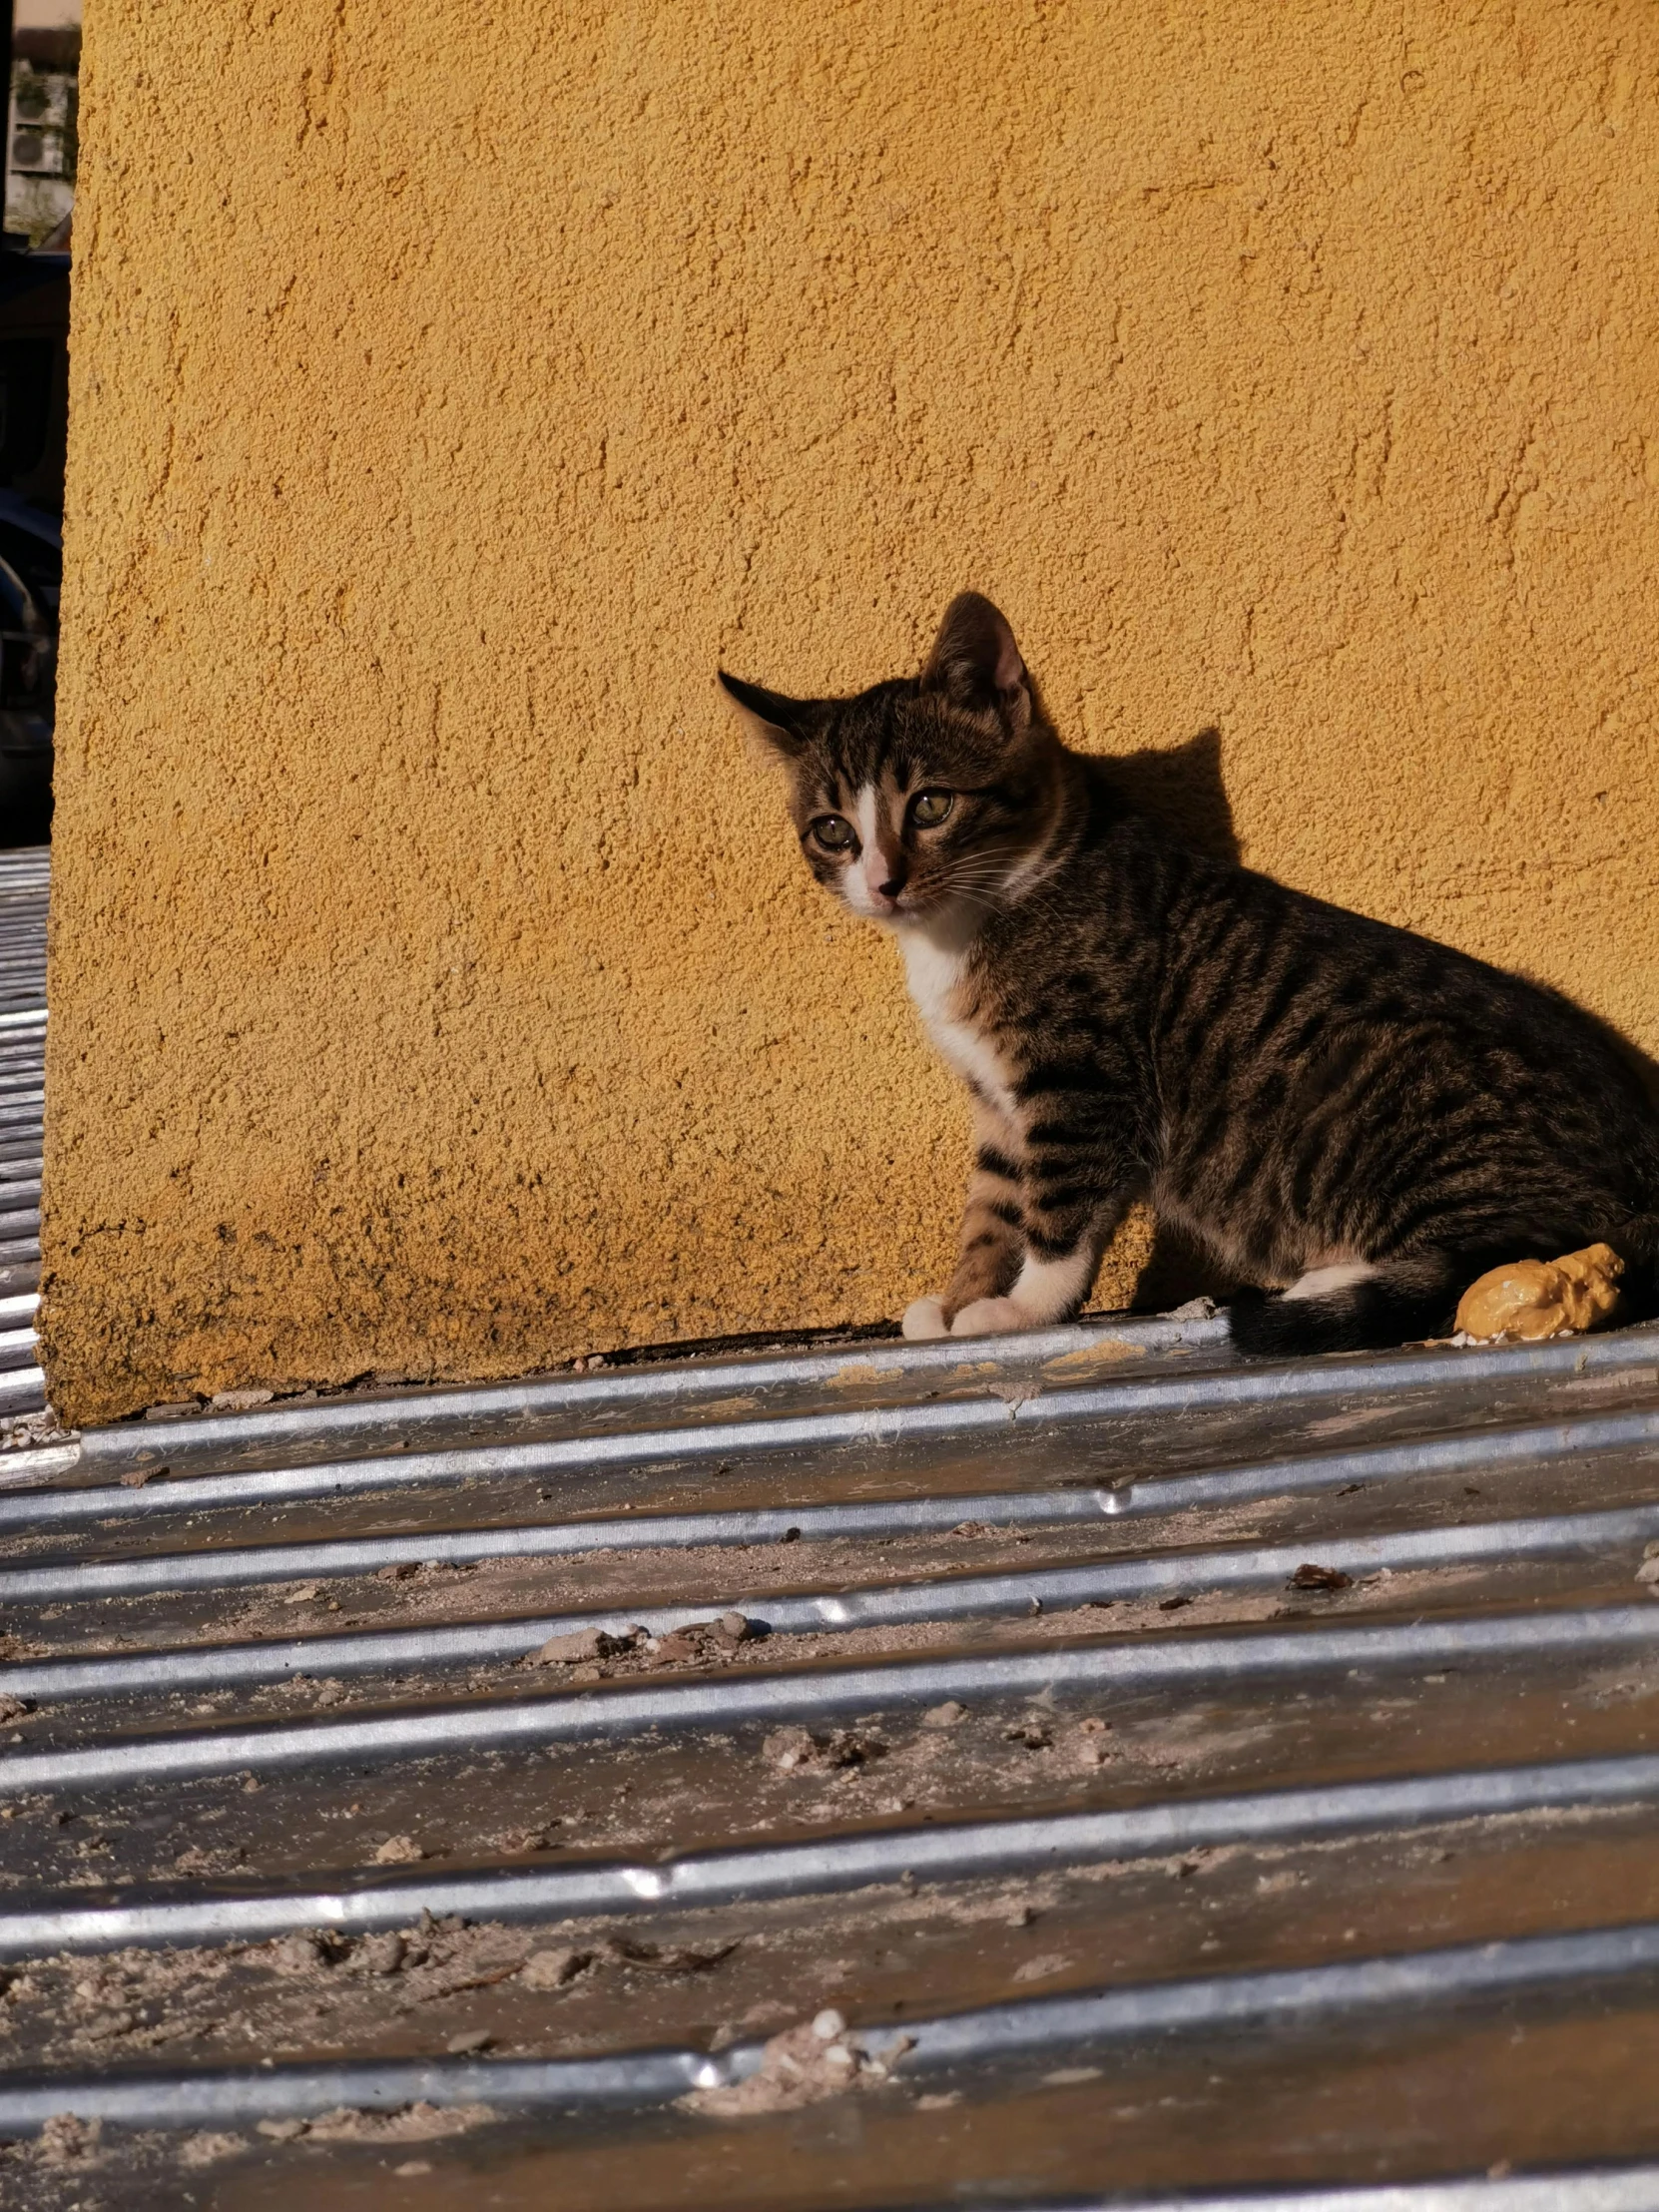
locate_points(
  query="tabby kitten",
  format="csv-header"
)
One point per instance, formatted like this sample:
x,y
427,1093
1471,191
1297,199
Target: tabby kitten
x,y
1330,1103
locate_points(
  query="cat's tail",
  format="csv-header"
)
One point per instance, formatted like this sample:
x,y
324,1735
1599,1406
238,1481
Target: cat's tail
x,y
1404,1300
1398,1302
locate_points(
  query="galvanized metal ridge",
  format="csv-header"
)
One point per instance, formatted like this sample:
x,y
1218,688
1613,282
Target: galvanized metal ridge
x,y
22,1389
666,1383
680,1382
1627,2189
33,1511
942,1597
367,1900
1232,1386
1399,1979
1286,1996
621,1709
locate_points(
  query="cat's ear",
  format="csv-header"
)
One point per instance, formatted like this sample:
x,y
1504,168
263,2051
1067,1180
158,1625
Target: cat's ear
x,y
975,662
782,723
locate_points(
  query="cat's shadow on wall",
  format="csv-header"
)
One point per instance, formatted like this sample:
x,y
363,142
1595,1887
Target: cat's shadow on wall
x,y
1180,787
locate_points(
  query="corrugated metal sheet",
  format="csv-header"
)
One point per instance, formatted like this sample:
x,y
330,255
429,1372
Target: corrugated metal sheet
x,y
1160,1777
23,886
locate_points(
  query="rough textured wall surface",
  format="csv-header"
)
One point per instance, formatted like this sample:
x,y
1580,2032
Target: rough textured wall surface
x,y
436,985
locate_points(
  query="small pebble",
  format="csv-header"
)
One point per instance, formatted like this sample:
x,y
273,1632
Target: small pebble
x,y
552,1970
399,1851
583,1643
788,1747
381,1953
678,1644
302,1594
945,1715
828,2024
299,1952
475,2039
561,1650
411,2166
281,2132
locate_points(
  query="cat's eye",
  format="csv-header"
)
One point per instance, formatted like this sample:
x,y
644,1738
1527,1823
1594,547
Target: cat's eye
x,y
833,831
928,809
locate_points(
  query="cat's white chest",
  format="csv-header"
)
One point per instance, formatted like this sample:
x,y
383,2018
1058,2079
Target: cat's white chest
x,y
934,974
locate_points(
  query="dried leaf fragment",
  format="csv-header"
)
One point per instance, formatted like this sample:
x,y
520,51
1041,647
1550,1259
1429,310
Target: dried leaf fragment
x,y
1311,1577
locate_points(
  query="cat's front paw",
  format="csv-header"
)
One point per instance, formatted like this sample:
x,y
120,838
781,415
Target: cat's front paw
x,y
924,1316
991,1317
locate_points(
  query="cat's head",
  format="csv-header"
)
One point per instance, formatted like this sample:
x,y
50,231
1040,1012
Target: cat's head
x,y
928,794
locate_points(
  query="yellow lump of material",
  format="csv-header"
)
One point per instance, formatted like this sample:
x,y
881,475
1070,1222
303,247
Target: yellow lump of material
x,y
1532,1299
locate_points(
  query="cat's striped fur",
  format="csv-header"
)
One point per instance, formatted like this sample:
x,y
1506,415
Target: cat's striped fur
x,y
1330,1103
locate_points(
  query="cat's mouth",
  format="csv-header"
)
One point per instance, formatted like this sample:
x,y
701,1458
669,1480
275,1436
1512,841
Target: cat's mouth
x,y
915,903
876,906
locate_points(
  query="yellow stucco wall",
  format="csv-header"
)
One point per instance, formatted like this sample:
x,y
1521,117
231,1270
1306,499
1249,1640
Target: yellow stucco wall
x,y
436,985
